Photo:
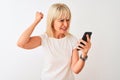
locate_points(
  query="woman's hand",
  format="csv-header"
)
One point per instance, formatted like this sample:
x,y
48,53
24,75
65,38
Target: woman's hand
x,y
85,46
38,17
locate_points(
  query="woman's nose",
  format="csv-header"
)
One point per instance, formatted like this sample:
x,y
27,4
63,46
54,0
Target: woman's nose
x,y
65,23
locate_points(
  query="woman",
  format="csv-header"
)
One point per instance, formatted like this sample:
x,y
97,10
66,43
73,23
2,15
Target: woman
x,y
61,57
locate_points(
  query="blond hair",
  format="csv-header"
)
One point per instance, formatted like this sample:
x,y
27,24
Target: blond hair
x,y
56,11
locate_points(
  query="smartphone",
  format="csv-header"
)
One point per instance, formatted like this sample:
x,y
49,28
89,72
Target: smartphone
x,y
84,36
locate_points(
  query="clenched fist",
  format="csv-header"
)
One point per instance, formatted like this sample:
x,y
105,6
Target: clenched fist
x,y
38,16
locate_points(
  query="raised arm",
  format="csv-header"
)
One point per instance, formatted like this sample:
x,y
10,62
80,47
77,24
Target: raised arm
x,y
27,41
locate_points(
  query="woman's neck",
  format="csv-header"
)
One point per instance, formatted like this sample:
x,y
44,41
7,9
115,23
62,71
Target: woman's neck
x,y
58,36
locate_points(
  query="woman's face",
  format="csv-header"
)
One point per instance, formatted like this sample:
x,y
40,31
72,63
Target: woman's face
x,y
61,25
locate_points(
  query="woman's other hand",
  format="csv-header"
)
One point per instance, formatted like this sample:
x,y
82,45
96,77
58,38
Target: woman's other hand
x,y
38,17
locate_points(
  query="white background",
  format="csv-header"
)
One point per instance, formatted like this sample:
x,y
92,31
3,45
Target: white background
x,y
102,17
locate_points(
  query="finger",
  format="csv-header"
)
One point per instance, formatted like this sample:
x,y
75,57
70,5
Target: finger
x,y
88,38
81,45
79,48
83,42
42,14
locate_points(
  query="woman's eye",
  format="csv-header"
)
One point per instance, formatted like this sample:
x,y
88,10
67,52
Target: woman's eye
x,y
62,20
67,20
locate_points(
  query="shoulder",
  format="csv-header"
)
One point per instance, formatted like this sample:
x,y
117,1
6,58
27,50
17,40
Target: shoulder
x,y
73,40
71,36
44,36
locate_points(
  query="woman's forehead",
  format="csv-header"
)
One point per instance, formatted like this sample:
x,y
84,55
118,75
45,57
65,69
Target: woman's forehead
x,y
64,16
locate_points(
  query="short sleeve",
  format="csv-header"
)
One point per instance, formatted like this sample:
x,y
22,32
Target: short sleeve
x,y
73,41
43,37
